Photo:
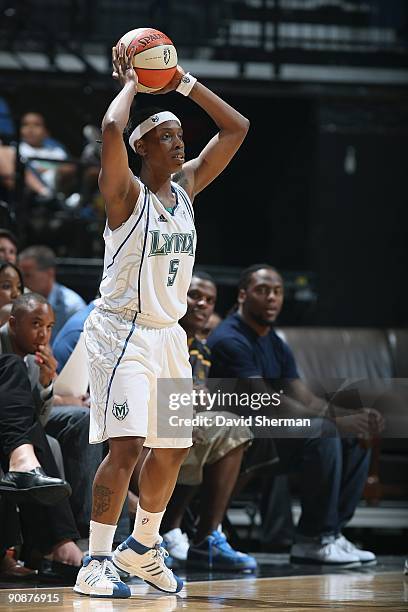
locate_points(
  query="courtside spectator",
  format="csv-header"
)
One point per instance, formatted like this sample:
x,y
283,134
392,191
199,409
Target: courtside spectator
x,y
333,469
27,334
213,464
20,430
31,474
38,266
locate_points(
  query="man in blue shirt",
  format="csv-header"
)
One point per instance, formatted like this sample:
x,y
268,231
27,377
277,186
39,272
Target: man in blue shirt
x,y
67,338
37,263
333,470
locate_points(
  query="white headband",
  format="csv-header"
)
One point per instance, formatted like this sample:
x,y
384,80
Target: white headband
x,y
149,124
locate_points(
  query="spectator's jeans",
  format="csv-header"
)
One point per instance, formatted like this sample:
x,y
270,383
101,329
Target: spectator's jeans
x,y
333,472
70,426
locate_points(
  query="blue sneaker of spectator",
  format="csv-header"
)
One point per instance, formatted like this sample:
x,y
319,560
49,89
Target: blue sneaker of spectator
x,y
214,553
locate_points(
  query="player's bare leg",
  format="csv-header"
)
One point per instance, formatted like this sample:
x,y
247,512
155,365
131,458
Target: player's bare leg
x,y
162,466
98,576
112,478
182,496
141,554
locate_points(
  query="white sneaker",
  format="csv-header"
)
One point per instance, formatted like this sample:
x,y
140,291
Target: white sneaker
x,y
323,553
176,543
148,564
365,556
98,577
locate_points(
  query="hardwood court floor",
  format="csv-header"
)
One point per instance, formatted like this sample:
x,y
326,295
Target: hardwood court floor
x,y
356,592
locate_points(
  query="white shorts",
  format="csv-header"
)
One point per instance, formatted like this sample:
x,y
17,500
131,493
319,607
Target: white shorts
x,y
125,361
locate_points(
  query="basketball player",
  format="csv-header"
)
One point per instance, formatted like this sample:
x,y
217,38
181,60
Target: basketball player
x,y
132,336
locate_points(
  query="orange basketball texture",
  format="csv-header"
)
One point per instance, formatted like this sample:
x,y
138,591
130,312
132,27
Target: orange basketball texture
x,y
155,58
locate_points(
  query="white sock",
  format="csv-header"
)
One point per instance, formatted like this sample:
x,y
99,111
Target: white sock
x,y
147,525
101,538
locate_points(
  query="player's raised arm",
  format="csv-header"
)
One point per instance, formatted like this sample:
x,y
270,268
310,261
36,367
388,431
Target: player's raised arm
x,y
116,182
216,155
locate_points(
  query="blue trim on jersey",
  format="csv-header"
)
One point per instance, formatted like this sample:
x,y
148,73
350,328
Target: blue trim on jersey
x,y
177,200
143,253
131,231
116,367
187,203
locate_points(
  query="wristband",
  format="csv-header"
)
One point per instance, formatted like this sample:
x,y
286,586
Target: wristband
x,y
186,84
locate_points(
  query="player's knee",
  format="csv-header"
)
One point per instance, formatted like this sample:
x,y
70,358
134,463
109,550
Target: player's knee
x,y
174,456
124,452
181,454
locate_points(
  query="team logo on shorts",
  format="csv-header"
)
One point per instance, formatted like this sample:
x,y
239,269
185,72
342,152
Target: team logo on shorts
x,y
120,411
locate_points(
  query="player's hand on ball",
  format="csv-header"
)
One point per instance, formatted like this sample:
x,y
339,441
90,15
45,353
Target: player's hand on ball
x,y
123,70
174,83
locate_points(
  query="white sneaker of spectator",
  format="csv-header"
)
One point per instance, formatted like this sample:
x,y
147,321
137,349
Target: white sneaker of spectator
x,y
325,552
366,557
176,544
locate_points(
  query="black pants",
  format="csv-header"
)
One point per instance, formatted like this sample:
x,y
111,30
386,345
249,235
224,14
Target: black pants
x,y
42,527
16,405
70,426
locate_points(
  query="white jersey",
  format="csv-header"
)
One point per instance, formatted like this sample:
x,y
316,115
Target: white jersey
x,y
149,260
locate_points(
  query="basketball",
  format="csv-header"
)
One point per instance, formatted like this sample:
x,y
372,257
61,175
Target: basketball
x,y
155,58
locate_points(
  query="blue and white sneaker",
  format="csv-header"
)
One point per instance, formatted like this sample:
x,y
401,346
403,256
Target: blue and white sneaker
x,y
98,577
215,553
148,564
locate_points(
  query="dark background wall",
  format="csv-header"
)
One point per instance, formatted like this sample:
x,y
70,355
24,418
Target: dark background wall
x,y
358,238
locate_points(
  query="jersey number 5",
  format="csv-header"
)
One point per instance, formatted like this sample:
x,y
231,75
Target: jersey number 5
x,y
173,269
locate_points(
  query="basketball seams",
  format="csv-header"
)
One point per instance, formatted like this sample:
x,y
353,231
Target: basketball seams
x,y
132,39
155,57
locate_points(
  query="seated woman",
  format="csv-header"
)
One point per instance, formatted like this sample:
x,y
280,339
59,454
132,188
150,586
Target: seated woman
x,y
11,287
